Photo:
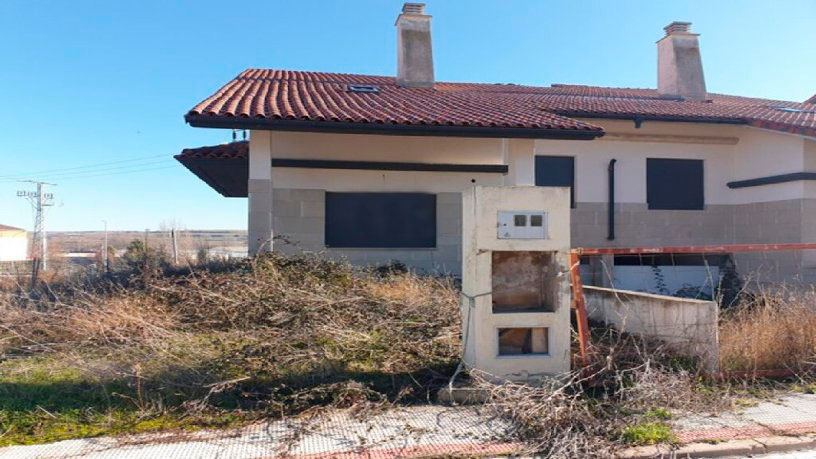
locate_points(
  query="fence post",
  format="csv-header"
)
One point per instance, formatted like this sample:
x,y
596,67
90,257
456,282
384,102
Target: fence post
x,y
579,304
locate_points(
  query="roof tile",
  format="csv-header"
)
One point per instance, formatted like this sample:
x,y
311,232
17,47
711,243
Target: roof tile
x,y
316,96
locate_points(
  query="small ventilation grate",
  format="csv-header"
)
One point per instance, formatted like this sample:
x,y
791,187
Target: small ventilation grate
x,y
364,88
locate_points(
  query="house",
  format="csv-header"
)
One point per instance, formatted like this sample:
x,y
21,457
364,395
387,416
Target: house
x,y
13,244
371,167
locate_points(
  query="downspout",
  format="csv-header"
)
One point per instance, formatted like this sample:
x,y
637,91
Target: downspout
x,y
611,212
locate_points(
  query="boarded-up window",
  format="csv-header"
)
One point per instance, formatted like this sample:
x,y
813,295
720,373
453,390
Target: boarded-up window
x,y
520,341
380,220
674,184
556,171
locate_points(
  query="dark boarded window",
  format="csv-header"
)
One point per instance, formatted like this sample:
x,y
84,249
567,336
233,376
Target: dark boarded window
x,y
556,171
675,184
380,220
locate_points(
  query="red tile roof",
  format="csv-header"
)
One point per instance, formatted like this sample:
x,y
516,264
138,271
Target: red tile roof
x,y
234,150
292,99
297,97
812,100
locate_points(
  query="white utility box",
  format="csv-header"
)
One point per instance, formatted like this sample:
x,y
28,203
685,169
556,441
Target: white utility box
x,y
515,281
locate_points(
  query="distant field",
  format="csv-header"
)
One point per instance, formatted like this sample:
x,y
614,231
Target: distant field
x,y
188,240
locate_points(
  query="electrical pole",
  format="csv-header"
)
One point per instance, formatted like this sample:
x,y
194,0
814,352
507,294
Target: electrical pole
x,y
175,246
105,247
39,200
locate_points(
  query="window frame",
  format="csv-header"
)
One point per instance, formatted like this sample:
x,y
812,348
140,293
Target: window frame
x,y
654,203
572,179
334,241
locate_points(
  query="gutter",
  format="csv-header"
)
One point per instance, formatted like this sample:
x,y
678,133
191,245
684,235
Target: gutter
x,y
638,119
610,234
342,127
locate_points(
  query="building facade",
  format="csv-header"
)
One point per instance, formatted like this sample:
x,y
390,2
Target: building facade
x,y
372,169
13,244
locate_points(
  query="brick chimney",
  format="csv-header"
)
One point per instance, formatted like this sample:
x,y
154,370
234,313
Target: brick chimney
x,y
414,56
679,65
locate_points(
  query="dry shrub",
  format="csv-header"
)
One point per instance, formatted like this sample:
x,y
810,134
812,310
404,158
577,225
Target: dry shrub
x,y
771,329
279,333
585,413
90,321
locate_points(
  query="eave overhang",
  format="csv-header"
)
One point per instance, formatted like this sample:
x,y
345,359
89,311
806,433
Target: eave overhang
x,y
342,127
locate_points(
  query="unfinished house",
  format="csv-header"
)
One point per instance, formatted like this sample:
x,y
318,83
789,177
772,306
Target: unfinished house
x,y
371,168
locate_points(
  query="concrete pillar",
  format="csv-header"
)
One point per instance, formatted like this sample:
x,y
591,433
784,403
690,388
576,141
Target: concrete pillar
x,y
259,224
511,281
519,156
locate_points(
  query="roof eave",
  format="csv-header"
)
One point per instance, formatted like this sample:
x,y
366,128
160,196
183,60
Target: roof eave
x,y
664,118
340,127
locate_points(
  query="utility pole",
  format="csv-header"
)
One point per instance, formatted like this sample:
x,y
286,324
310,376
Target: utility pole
x,y
105,247
39,200
175,246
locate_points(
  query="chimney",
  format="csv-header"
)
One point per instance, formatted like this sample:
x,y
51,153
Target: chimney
x,y
414,57
679,65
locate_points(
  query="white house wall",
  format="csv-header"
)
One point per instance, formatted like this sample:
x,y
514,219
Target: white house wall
x,y
592,159
762,153
769,213
13,246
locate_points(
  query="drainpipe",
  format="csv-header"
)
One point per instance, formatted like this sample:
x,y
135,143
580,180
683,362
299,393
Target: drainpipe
x,y
611,212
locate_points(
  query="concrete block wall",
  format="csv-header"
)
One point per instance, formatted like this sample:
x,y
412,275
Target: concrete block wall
x,y
299,222
637,226
792,220
298,216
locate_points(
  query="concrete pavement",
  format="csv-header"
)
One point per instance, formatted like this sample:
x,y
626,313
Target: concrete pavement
x,y
404,432
775,426
783,424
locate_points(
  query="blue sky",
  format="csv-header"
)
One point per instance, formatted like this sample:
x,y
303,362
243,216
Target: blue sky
x,y
90,82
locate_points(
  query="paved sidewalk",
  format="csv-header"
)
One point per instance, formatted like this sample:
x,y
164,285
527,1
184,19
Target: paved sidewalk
x,y
781,425
423,431
793,414
406,432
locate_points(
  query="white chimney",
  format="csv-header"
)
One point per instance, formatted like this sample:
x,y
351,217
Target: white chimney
x,y
414,56
679,65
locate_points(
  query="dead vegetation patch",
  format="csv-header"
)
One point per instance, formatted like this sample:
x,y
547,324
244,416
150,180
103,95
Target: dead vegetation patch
x,y
769,330
148,349
272,336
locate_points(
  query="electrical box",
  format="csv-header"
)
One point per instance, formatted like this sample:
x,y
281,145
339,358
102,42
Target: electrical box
x,y
515,281
522,225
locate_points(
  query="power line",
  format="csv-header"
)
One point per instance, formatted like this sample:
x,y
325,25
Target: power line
x,y
79,175
104,169
87,166
118,173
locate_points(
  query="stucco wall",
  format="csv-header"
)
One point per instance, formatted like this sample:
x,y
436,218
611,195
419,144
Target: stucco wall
x,y
13,246
729,152
690,326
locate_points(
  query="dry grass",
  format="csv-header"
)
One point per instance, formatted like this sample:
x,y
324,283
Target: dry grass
x,y
267,337
626,397
278,336
772,329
